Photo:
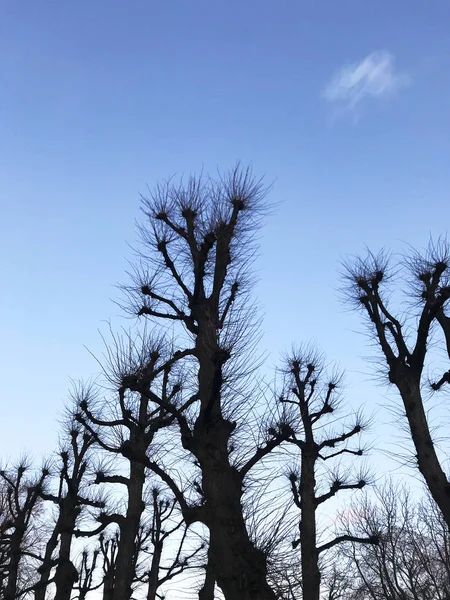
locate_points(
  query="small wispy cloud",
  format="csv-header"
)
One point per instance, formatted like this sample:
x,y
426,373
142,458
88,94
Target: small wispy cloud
x,y
374,77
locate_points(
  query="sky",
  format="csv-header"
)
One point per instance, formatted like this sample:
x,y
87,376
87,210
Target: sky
x,y
342,106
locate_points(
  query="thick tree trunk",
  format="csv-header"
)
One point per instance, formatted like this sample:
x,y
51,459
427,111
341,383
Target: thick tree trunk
x,y
238,567
427,459
66,574
310,558
13,564
129,528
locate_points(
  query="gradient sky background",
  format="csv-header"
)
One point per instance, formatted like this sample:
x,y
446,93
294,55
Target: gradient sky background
x,y
343,104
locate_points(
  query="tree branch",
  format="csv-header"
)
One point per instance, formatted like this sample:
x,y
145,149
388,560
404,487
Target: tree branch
x,y
145,310
162,247
337,487
344,451
102,478
348,538
261,453
331,443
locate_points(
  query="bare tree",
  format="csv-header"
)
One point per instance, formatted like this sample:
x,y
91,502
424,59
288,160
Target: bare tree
x,y
161,526
108,551
69,499
23,497
127,428
86,571
405,355
315,398
412,560
193,279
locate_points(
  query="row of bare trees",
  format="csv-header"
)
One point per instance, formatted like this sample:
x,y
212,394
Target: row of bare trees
x,y
60,537
171,464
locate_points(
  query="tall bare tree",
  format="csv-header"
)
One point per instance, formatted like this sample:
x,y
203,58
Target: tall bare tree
x,y
194,277
5,522
428,278
314,397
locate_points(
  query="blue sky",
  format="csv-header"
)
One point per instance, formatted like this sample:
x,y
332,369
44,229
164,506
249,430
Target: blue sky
x,y
343,105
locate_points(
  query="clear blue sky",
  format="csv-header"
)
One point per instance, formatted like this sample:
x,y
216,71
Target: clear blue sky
x,y
344,104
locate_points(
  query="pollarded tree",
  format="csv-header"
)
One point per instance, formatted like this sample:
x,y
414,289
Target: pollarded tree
x,y
314,398
158,532
23,491
405,354
194,277
70,498
87,566
140,368
108,552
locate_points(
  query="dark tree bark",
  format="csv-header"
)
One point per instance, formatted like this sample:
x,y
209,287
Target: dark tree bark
x,y
153,578
125,570
207,590
430,276
308,533
48,562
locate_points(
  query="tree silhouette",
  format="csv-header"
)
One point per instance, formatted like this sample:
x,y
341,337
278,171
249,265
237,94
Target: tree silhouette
x,y
314,398
23,493
428,280
69,499
193,277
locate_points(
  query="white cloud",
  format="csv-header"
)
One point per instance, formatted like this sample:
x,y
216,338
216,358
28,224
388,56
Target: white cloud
x,y
374,77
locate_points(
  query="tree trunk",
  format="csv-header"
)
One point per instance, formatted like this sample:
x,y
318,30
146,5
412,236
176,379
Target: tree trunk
x,y
239,568
427,458
41,586
129,529
207,590
13,564
154,572
108,585
66,574
310,558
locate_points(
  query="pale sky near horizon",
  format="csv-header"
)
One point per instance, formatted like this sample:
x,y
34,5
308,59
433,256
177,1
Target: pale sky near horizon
x,y
343,105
